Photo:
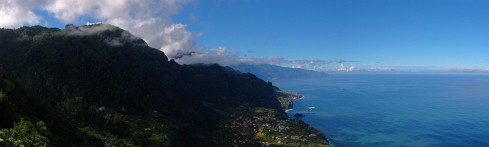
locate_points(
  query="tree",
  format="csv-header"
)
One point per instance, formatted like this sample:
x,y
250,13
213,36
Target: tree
x,y
3,97
6,112
25,133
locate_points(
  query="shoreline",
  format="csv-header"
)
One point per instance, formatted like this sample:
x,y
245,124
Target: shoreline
x,y
291,104
298,96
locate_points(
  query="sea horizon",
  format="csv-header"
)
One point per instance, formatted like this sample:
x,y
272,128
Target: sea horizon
x,y
401,109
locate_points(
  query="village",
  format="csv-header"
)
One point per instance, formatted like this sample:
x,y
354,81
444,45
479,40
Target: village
x,y
264,126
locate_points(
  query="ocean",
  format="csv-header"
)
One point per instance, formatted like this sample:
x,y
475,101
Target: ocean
x,y
396,109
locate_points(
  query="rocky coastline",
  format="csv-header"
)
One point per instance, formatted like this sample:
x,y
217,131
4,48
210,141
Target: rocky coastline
x,y
286,99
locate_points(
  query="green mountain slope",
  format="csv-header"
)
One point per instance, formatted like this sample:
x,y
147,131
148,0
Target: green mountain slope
x,y
99,85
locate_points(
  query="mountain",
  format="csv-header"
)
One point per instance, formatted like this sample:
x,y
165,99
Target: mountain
x,y
271,72
98,85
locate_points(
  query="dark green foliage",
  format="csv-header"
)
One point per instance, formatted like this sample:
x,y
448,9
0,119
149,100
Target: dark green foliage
x,y
3,97
6,111
25,133
9,141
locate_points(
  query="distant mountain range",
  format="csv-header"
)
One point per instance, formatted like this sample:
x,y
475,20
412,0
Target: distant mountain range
x,y
272,72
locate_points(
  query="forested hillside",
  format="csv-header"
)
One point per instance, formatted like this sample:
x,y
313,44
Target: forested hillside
x,y
98,85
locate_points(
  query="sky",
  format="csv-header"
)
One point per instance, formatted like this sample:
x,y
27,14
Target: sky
x,y
323,35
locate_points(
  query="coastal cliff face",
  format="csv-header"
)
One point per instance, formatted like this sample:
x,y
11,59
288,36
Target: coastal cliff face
x,y
99,85
286,99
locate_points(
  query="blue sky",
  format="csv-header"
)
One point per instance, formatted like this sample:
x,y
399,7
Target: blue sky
x,y
395,33
383,34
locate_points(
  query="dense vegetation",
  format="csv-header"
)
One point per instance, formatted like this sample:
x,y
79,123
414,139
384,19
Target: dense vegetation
x,y
100,86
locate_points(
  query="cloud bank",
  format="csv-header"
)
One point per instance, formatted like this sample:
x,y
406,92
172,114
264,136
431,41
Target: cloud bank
x,y
224,56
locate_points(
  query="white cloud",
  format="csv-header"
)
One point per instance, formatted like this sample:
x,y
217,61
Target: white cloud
x,y
69,11
148,19
14,13
177,41
219,55
344,68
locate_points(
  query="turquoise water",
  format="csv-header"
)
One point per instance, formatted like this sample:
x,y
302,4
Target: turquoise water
x,y
396,109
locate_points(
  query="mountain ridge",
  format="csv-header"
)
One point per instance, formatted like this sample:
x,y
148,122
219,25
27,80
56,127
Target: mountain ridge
x,y
273,72
106,87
